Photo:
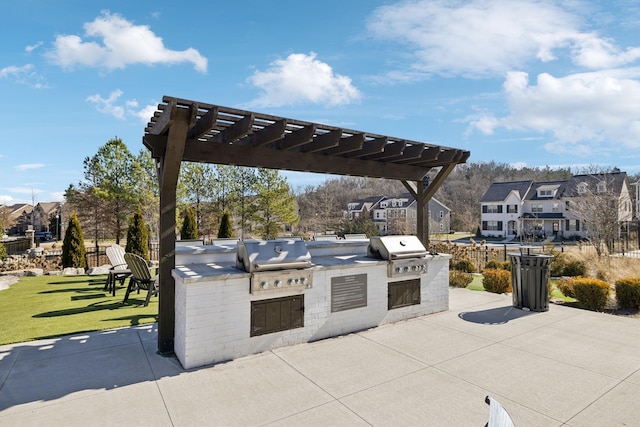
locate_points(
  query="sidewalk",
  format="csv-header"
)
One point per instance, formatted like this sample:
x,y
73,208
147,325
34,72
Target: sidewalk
x,y
563,367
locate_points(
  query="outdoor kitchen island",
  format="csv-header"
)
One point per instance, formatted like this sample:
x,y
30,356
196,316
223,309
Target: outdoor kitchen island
x,y
240,298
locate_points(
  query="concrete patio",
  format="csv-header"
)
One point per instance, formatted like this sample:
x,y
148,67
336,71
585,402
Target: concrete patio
x,y
563,367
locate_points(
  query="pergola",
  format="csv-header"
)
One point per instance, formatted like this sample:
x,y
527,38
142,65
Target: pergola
x,y
184,130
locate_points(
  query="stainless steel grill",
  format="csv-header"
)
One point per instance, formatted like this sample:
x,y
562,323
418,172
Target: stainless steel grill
x,y
406,254
275,265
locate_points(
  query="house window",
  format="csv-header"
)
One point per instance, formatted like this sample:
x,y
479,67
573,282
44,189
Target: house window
x,y
441,227
400,203
536,208
441,214
555,208
383,204
491,208
582,188
512,208
492,225
573,225
545,193
602,187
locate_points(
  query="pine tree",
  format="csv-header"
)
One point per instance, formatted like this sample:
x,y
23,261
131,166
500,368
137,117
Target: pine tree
x,y
137,235
226,230
189,227
73,251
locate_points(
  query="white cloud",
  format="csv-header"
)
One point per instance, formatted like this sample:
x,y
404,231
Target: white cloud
x,y
485,38
57,196
32,47
6,199
29,166
121,109
584,112
24,75
302,78
119,43
24,190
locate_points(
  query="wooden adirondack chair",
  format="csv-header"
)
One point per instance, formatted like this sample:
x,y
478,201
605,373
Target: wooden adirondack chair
x,y
142,277
119,270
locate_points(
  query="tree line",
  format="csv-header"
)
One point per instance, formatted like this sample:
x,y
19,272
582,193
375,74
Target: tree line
x,y
116,183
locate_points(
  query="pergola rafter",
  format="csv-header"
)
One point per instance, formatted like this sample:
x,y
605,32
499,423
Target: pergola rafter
x,y
183,130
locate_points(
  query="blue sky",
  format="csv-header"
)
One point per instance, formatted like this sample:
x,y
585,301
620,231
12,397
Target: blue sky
x,y
535,83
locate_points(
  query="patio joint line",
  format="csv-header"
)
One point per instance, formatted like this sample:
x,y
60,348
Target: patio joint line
x,y
155,378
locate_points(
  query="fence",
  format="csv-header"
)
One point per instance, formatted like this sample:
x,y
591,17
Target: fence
x,y
479,255
16,247
96,258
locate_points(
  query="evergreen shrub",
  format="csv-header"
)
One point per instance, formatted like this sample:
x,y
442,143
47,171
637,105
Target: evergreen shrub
x,y
496,280
137,236
3,252
465,265
628,293
499,265
565,285
591,294
226,229
189,226
460,279
74,253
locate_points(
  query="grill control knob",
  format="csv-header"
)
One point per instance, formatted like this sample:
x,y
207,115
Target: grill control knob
x,y
277,283
406,268
398,269
303,280
264,285
290,282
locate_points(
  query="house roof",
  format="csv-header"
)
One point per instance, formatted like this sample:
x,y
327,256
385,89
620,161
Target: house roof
x,y
613,180
49,207
498,191
532,194
362,203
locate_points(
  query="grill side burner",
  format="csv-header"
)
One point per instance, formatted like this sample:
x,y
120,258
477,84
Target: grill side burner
x,y
276,266
406,254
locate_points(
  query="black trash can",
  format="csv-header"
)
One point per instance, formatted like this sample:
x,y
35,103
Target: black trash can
x,y
529,280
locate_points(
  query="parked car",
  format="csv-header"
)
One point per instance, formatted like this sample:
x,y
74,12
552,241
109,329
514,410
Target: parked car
x,y
43,236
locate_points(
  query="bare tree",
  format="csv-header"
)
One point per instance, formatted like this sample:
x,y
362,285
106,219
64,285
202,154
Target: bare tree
x,y
601,202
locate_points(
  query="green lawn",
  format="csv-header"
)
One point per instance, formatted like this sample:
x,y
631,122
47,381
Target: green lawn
x,y
49,306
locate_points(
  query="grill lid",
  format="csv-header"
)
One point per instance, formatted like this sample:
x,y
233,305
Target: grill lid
x,y
395,247
263,255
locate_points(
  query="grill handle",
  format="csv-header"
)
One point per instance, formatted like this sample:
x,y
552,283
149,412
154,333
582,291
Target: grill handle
x,y
398,255
281,265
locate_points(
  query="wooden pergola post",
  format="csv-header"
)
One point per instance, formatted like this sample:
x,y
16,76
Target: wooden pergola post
x,y
168,172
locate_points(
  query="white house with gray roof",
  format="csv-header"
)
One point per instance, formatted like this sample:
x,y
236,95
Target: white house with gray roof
x,y
544,209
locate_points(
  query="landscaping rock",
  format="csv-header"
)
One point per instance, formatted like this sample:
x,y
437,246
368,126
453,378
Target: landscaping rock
x,y
34,272
103,269
55,273
71,271
6,281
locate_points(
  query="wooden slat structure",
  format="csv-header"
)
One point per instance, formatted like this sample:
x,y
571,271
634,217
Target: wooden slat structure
x,y
184,130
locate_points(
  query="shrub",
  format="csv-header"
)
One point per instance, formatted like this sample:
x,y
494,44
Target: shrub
x,y
565,285
574,268
557,265
189,226
496,280
591,294
499,265
465,265
627,293
460,279
225,230
74,253
137,236
3,252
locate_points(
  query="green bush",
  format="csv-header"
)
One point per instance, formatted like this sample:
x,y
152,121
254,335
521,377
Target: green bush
x,y
74,253
464,265
189,226
565,285
557,265
137,236
591,294
560,266
496,280
627,293
3,252
574,268
460,279
499,265
226,229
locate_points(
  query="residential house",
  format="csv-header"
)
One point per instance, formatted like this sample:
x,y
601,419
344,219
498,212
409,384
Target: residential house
x,y
18,218
550,208
22,217
397,215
